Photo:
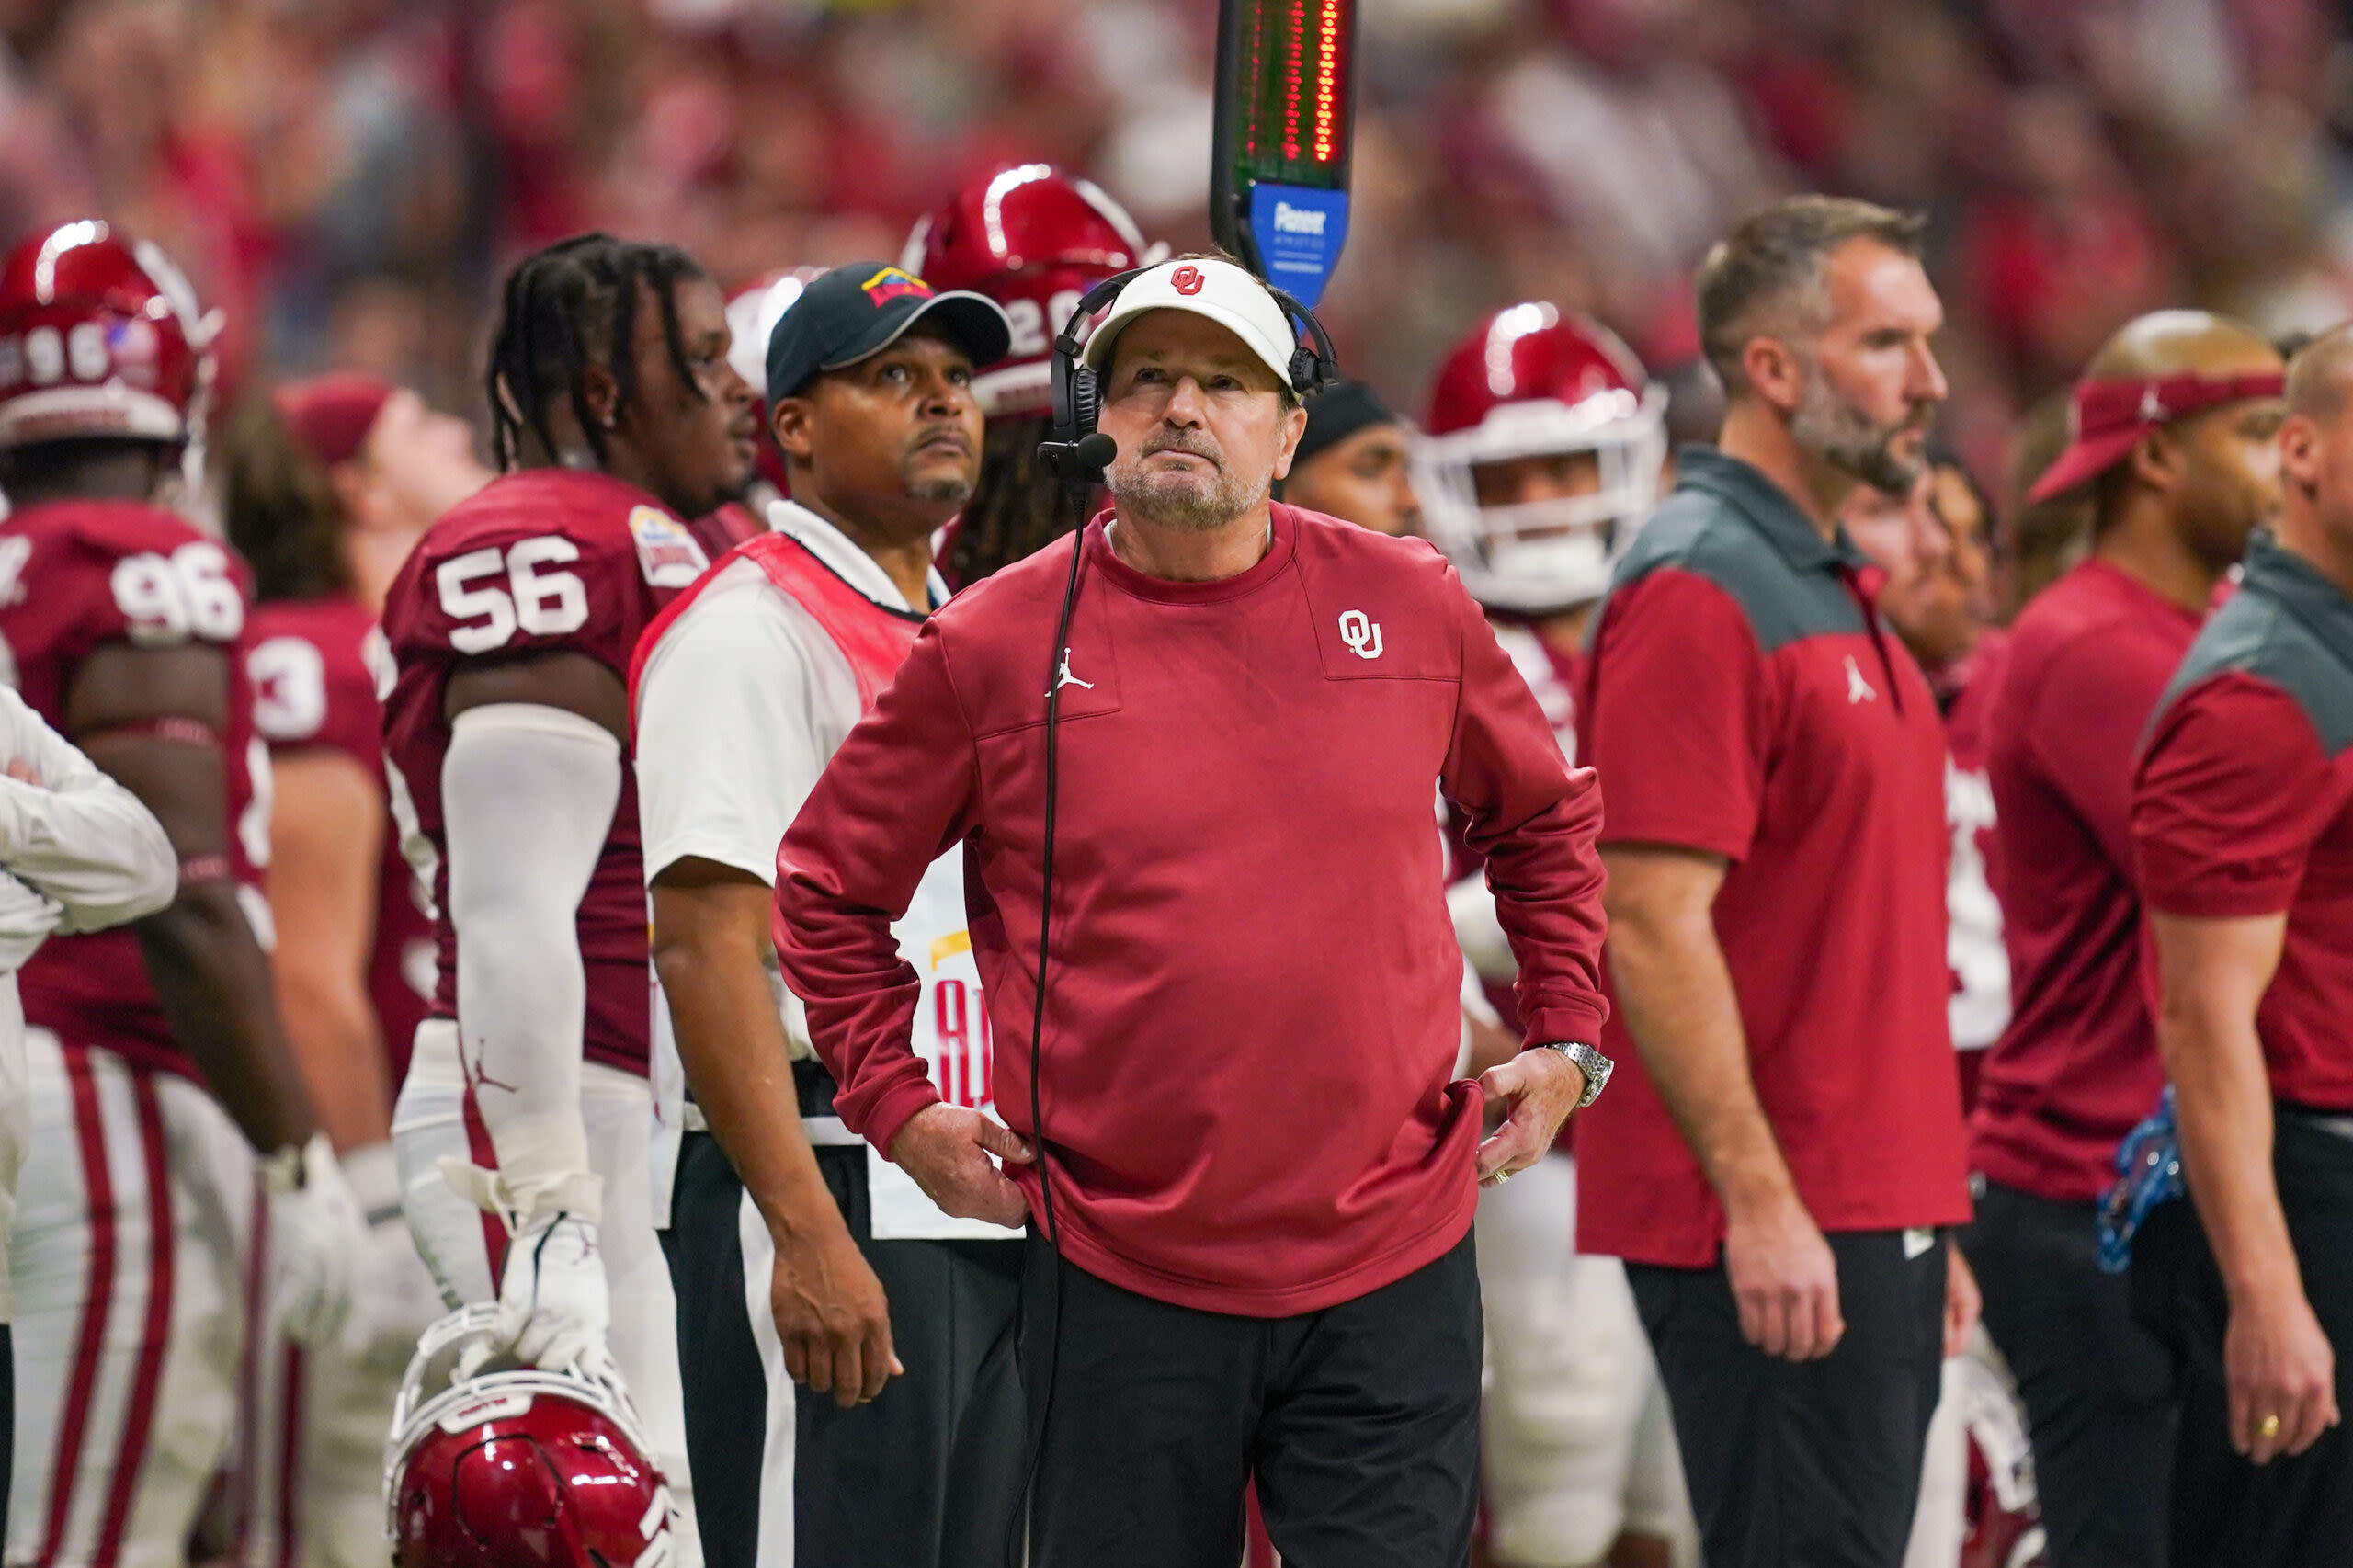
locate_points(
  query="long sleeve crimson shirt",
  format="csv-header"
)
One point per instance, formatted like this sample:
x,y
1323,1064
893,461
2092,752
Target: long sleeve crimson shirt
x,y
1252,1005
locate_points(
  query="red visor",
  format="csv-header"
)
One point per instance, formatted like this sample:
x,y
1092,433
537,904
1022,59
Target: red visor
x,y
331,415
2110,416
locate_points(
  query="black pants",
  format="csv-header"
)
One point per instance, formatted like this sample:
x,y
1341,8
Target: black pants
x,y
1360,1423
1804,1464
924,1477
2097,1386
2294,1512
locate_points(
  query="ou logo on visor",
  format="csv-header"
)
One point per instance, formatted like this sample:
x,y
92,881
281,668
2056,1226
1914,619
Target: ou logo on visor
x,y
1361,635
1186,280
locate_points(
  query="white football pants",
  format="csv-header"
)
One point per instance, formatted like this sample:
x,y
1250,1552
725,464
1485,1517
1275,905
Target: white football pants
x,y
132,1290
1579,1444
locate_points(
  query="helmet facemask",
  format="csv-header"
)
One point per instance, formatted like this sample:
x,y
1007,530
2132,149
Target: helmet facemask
x,y
1545,556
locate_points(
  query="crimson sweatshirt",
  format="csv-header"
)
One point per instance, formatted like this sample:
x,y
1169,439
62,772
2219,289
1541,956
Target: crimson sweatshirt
x,y
1252,1004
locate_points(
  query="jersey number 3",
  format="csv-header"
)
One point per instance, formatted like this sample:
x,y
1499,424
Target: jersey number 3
x,y
491,593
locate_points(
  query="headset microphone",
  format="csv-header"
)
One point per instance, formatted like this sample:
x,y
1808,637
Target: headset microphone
x,y
1078,462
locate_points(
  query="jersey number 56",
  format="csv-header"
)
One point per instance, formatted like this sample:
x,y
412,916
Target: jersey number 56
x,y
492,593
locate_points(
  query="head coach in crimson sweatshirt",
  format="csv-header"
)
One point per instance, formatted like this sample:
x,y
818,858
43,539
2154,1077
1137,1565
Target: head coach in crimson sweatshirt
x,y
1262,1180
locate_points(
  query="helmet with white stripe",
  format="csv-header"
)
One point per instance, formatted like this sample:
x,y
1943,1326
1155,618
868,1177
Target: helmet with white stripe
x,y
495,1464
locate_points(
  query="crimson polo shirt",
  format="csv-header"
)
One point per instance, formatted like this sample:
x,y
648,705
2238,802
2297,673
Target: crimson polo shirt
x,y
1744,699
2242,805
1253,1003
2077,1067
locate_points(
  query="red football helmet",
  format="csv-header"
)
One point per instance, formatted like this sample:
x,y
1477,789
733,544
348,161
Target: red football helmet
x,y
1035,240
509,1467
1532,381
100,338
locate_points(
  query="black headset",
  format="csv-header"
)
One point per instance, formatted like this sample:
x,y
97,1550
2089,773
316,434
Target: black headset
x,y
1078,396
1075,456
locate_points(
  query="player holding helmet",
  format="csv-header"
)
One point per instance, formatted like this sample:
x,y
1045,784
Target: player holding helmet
x,y
1541,457
124,624
1035,240
512,626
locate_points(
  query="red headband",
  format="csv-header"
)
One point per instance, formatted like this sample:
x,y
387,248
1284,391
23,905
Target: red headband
x,y
330,415
2110,416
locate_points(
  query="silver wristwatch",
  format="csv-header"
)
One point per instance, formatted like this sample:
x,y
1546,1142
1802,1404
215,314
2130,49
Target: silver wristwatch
x,y
1596,1067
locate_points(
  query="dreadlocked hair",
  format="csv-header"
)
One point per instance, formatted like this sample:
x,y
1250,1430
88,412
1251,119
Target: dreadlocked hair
x,y
279,509
564,309
1016,508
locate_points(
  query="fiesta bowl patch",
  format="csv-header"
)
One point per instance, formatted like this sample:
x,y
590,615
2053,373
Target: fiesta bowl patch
x,y
667,552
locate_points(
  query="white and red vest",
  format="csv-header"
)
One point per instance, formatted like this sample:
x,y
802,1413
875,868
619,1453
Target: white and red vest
x,y
951,1027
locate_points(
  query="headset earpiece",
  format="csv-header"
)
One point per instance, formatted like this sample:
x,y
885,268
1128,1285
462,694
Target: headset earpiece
x,y
1313,365
1305,368
1076,393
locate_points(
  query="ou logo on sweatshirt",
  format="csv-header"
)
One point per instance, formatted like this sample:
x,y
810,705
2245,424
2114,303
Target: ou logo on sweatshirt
x,y
1362,633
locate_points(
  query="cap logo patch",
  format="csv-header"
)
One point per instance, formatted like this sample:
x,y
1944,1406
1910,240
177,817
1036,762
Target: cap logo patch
x,y
1186,280
892,283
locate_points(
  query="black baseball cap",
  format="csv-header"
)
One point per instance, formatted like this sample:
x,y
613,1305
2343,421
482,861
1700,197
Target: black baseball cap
x,y
857,310
1336,412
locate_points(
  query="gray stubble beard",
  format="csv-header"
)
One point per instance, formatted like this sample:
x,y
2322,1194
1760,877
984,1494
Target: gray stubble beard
x,y
1849,441
1173,502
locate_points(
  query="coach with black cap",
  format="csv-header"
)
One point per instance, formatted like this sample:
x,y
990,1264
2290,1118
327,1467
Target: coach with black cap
x,y
1350,462
1261,1181
786,1234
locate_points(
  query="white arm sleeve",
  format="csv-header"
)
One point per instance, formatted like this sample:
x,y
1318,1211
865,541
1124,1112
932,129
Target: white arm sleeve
x,y
528,794
1472,902
77,836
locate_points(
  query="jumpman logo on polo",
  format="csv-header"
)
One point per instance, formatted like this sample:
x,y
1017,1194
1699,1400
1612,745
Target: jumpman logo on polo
x,y
1066,679
1857,688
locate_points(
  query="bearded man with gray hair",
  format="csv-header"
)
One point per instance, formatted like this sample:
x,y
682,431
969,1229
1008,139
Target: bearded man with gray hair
x,y
1783,1172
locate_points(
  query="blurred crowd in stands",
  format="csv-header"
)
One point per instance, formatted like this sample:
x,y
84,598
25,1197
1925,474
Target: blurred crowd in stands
x,y
348,178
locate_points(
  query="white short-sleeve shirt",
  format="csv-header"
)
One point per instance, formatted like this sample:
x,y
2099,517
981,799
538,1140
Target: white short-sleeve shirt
x,y
739,708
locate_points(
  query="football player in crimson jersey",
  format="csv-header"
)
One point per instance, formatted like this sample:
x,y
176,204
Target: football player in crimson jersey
x,y
1035,239
616,415
327,485
1938,598
136,1248
1539,458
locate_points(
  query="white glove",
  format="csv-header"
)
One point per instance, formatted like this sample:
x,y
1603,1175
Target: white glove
x,y
318,1233
394,1299
554,1305
26,920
